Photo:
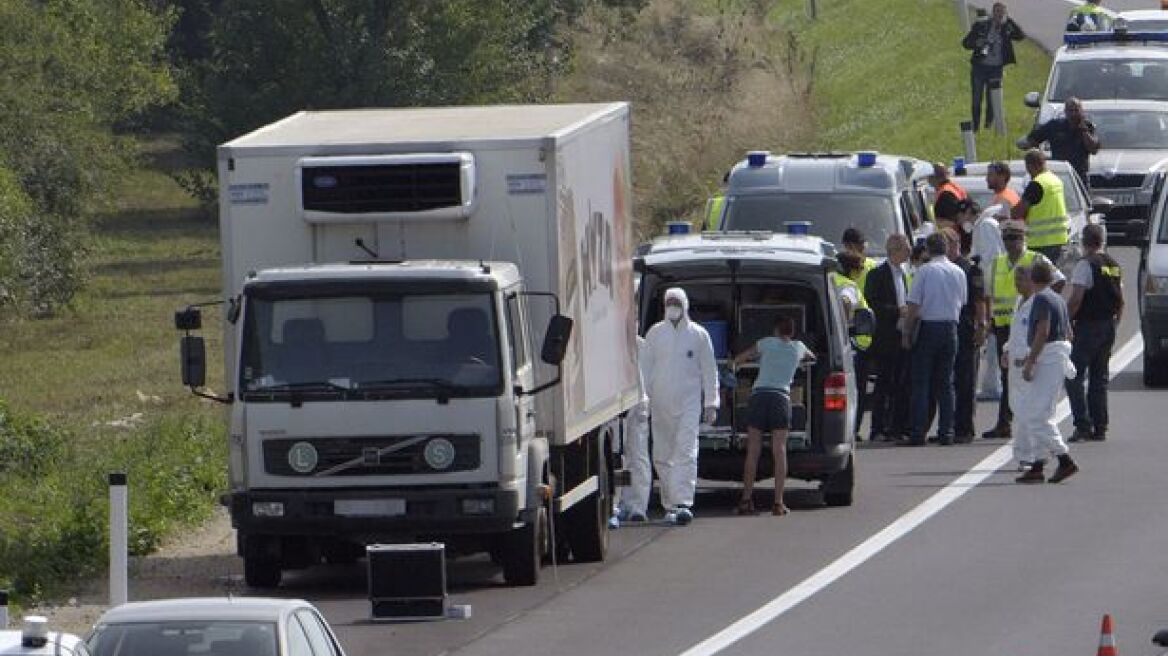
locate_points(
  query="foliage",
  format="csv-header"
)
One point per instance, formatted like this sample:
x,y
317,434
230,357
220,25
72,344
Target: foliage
x,y
69,71
706,85
56,522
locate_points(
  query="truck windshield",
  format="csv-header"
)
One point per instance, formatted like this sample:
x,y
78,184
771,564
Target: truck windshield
x,y
1108,79
829,214
372,345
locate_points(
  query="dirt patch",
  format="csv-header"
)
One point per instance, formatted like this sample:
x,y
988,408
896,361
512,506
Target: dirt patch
x,y
197,562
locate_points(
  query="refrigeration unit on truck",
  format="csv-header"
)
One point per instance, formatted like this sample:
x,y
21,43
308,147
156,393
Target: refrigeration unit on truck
x,y
385,275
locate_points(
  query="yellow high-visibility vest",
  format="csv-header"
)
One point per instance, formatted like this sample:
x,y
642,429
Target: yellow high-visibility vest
x,y
841,281
714,211
1047,223
1005,294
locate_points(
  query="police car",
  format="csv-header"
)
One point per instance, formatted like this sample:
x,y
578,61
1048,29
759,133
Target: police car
x,y
1116,65
739,284
1153,297
1081,209
35,639
878,194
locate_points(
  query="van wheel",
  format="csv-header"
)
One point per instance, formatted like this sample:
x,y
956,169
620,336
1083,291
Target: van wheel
x,y
1155,372
839,488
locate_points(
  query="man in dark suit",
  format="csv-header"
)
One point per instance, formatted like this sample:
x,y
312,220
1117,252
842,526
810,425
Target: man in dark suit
x,y
886,291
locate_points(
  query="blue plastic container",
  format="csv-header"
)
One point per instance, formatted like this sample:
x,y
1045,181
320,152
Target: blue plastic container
x,y
719,336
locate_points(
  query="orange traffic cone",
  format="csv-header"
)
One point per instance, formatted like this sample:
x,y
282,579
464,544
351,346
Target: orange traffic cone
x,y
1107,639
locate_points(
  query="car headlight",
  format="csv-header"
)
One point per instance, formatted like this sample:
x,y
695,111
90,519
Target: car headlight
x,y
1156,284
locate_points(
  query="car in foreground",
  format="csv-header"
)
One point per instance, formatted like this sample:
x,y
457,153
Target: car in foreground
x,y
1081,208
1153,297
214,626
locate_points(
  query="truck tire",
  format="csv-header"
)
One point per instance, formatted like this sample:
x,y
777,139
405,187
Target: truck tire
x,y
1155,372
523,551
586,523
838,489
261,572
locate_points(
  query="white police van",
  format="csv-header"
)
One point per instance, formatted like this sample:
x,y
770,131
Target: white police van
x,y
1153,295
880,195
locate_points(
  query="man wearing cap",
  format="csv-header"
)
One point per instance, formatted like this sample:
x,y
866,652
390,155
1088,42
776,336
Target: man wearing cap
x,y
950,197
1002,296
1044,208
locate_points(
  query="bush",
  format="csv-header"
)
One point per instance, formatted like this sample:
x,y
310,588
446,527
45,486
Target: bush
x,y
27,444
56,524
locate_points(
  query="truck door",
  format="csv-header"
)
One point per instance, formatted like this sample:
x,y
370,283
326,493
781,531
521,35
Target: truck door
x,y
518,339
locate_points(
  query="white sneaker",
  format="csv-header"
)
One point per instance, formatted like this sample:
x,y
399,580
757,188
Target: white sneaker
x,y
671,517
637,517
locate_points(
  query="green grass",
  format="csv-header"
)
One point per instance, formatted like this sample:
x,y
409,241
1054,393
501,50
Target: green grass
x,y
67,383
892,76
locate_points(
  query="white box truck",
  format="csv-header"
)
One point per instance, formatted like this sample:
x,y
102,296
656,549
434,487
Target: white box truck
x,y
385,274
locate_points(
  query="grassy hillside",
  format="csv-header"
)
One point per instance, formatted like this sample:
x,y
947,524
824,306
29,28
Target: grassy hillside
x,y
892,76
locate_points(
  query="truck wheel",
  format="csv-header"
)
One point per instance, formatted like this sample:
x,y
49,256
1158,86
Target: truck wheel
x,y
838,490
261,572
587,522
1155,372
522,552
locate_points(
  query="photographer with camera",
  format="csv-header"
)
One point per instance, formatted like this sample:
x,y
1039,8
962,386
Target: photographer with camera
x,y
990,39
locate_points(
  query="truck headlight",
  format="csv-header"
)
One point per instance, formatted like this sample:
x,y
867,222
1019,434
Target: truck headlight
x,y
267,508
1156,284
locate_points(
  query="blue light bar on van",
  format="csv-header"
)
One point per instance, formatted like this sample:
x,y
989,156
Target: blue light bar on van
x,y
757,158
1087,38
677,227
798,227
866,158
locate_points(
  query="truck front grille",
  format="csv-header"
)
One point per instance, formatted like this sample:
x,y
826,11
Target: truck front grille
x,y
365,456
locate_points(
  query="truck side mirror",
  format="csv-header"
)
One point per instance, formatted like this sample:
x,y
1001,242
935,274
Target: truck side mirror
x,y
1031,99
190,318
194,361
863,323
555,341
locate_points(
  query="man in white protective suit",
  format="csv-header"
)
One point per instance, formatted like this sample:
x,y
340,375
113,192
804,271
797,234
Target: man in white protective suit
x,y
681,377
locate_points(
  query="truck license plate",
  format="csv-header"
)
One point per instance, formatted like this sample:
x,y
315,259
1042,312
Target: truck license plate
x,y
370,507
1124,199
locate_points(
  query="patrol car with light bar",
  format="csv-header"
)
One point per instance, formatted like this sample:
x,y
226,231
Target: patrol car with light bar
x,y
878,194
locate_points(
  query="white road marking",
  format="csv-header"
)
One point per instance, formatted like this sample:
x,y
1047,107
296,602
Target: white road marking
x,y
891,533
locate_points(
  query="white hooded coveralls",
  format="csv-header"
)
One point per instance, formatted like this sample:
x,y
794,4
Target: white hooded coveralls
x,y
681,377
635,497
1036,433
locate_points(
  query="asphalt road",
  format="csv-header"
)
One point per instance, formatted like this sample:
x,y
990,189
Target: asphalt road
x,y
941,554
1001,569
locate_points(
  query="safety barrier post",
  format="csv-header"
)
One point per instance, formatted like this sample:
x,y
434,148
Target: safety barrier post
x,y
812,10
119,540
997,104
970,140
3,610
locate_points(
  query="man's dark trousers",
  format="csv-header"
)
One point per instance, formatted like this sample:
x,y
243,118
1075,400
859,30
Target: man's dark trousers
x,y
1005,415
1091,354
965,381
890,398
933,356
979,81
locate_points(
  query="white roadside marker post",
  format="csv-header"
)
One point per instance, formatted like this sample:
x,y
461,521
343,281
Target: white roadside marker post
x,y
970,140
118,540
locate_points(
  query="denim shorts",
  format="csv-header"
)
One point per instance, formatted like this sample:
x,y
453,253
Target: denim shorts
x,y
769,409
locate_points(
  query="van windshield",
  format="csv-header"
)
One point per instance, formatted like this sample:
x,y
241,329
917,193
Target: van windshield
x,y
829,214
328,344
1107,79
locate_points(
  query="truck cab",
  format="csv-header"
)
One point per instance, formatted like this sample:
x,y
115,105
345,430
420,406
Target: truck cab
x,y
879,194
739,284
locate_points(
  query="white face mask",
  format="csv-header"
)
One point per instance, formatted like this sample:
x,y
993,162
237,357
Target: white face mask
x,y
967,226
673,313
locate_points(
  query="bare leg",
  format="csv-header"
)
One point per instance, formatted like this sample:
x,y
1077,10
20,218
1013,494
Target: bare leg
x,y
750,467
779,449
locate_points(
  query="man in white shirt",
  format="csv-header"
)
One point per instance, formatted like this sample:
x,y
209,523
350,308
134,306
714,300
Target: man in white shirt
x,y
939,290
987,244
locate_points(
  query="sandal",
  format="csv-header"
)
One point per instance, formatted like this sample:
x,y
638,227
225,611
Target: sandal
x,y
745,507
779,510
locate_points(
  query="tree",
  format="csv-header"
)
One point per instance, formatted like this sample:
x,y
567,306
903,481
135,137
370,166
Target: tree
x,y
70,70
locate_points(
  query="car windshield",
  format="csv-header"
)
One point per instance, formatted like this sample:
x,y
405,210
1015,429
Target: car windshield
x,y
829,215
980,193
185,638
1131,129
1106,79
382,341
